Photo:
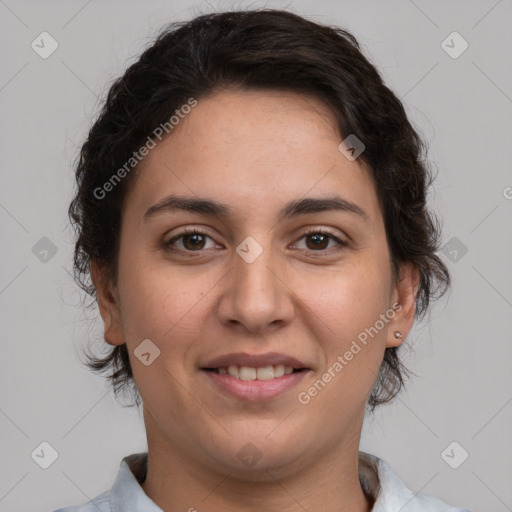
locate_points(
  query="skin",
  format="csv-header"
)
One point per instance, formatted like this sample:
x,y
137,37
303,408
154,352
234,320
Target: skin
x,y
254,151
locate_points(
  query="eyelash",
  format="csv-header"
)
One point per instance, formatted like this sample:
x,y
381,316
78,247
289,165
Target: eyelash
x,y
194,231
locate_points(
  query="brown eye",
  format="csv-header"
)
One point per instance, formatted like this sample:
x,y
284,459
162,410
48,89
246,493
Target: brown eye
x,y
192,240
318,240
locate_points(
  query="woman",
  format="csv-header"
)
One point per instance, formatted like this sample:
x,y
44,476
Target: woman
x,y
251,209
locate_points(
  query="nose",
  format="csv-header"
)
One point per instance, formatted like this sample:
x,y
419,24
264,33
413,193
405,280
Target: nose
x,y
256,296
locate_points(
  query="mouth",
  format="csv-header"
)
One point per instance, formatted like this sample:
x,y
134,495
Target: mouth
x,y
249,373
253,377
253,384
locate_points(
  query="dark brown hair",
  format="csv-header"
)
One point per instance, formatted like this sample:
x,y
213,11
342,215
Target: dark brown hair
x,y
269,50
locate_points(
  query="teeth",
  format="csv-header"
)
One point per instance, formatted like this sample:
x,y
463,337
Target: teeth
x,y
279,370
233,371
249,373
265,373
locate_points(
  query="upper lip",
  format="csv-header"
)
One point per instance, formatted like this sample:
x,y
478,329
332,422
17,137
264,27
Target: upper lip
x,y
253,360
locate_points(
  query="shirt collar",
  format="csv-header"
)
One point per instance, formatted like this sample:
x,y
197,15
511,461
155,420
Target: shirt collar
x,y
127,494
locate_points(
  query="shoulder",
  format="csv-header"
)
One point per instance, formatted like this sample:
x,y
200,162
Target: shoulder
x,y
99,504
126,492
394,495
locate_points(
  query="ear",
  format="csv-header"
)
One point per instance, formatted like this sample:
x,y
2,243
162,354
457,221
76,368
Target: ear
x,y
404,295
108,304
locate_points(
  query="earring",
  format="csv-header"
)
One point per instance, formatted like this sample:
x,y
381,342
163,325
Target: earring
x,y
398,335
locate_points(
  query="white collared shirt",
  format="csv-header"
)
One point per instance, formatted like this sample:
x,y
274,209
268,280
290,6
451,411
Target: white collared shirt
x,y
127,494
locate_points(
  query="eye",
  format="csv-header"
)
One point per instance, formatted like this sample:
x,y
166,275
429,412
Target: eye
x,y
192,240
319,240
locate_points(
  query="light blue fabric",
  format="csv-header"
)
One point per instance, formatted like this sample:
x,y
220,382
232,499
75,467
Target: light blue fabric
x,y
395,496
127,495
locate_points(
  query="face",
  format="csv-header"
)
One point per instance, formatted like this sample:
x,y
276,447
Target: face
x,y
264,275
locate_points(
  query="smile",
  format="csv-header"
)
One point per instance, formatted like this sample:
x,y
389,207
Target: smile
x,y
254,384
250,373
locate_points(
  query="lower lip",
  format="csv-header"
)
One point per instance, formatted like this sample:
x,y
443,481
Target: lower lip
x,y
255,390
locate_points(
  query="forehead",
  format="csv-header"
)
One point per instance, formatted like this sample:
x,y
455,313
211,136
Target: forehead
x,y
253,150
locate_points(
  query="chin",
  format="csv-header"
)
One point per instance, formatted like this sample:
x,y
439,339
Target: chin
x,y
257,457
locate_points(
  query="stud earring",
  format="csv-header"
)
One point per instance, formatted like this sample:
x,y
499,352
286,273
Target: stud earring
x,y
398,335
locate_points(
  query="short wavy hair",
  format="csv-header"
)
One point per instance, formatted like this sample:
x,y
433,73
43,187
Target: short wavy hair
x,y
265,49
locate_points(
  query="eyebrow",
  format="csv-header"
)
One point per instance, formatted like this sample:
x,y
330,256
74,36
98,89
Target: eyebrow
x,y
208,207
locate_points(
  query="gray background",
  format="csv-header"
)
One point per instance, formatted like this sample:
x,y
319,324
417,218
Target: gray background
x,y
463,106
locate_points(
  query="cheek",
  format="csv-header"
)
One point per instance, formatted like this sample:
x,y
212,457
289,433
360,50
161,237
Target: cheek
x,y
347,299
162,307
157,296
169,305
348,306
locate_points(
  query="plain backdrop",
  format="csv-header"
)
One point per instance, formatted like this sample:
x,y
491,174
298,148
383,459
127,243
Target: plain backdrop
x,y
461,103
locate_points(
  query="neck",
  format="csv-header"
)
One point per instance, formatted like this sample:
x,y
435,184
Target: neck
x,y
331,483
